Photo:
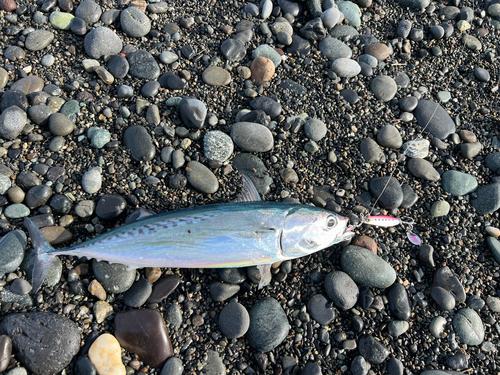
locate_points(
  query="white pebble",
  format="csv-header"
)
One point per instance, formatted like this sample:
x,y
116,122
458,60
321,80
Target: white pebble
x,y
48,60
492,231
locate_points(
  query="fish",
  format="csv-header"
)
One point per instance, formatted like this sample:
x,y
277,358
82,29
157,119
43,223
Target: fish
x,y
243,233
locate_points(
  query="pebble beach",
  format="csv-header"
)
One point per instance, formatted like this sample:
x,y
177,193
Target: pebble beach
x,y
111,111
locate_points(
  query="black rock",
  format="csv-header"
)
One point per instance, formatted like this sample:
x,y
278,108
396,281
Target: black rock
x,y
459,361
170,81
365,298
143,65
14,97
232,275
313,30
426,255
83,366
443,298
78,26
38,195
138,293
150,89
388,190
318,307
110,207
60,204
409,196
233,50
311,368
258,116
44,342
118,66
434,119
299,47
349,95
372,350
137,139
395,367
399,304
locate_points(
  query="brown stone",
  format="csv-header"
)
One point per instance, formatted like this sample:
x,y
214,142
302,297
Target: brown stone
x,y
8,5
467,136
139,4
104,75
66,5
163,289
152,274
5,351
379,50
56,235
366,242
28,85
97,290
262,70
144,333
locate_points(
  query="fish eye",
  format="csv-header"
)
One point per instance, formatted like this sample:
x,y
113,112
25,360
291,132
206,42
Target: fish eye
x,y
331,221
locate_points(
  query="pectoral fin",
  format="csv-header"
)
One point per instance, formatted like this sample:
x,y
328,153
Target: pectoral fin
x,y
265,272
248,192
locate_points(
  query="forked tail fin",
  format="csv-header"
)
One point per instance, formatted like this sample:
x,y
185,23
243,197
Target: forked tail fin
x,y
44,254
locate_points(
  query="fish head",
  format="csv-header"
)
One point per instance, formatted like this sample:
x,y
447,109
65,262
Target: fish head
x,y
310,229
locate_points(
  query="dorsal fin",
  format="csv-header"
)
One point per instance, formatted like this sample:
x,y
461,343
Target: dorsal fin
x,y
248,192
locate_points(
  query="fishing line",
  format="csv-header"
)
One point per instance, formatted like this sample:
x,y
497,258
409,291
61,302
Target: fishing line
x,y
414,238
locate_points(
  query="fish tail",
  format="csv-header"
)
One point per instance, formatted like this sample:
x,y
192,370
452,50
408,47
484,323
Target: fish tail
x,y
44,254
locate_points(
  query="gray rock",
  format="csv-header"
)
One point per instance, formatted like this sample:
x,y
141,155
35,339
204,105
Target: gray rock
x,y
397,327
16,211
60,124
268,105
458,183
421,168
37,196
487,199
217,146
102,41
44,342
233,50
38,114
89,11
445,278
251,166
178,159
12,247
399,305
234,320
346,68
341,289
201,178
173,316
440,208
482,74
222,291
414,4
319,309
493,162
371,151
38,40
388,136
359,366
366,268
20,286
267,51
404,28
139,142
115,278
252,137
214,364
383,87
470,150
92,181
5,184
315,129
351,12
268,325
334,49
12,122
469,327
193,113
138,293
437,326
434,119
330,17
372,350
143,65
173,366
388,190
134,22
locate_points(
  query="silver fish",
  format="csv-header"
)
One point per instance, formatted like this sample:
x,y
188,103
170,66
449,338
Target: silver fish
x,y
248,232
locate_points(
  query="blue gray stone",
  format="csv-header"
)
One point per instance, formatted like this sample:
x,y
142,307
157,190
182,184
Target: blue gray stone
x,y
469,327
458,183
434,119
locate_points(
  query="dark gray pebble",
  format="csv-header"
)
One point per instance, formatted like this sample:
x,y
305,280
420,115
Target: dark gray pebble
x,y
138,293
115,278
143,65
399,305
12,247
138,141
83,366
311,368
372,350
110,207
268,105
434,119
234,320
118,66
318,307
38,195
78,26
232,275
341,289
170,81
388,190
193,112
150,89
222,291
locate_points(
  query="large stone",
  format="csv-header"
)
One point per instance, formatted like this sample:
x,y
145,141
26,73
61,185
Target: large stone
x,y
102,41
12,122
433,118
44,342
144,333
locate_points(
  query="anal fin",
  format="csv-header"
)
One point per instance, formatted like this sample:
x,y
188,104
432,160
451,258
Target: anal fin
x,y
265,273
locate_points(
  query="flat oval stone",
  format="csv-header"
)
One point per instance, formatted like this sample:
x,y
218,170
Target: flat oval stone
x,y
366,268
445,278
458,183
469,327
38,195
389,136
118,66
351,12
138,293
115,278
60,124
233,50
138,141
216,76
421,168
378,50
164,288
388,190
443,298
61,20
12,247
319,309
399,304
345,67
268,325
102,41
252,137
134,22
38,40
28,85
89,11
334,49
143,65
201,178
110,207
92,181
487,200
144,333
105,355
44,342
234,320
434,118
341,289
383,87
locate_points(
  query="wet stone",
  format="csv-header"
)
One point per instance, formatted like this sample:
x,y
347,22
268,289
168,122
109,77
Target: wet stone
x,y
38,195
143,65
163,289
399,304
149,340
44,342
110,207
319,309
115,278
268,325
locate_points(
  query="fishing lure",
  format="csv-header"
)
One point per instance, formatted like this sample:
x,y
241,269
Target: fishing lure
x,y
389,221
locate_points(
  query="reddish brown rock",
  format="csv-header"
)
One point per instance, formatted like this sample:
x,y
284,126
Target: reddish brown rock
x,y
152,274
97,290
8,5
144,333
163,289
262,70
379,50
366,242
467,136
